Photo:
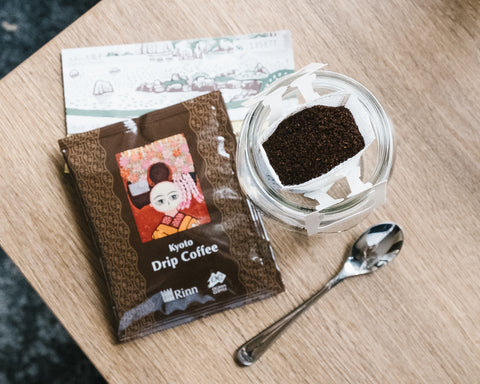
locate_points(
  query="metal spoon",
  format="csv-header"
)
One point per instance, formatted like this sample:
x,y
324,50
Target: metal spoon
x,y
373,249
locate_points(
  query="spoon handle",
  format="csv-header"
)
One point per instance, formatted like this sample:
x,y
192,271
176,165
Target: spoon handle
x,y
251,351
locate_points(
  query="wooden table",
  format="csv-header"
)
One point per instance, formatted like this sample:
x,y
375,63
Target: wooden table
x,y
418,320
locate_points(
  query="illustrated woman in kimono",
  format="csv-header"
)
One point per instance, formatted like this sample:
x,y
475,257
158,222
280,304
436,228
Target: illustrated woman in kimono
x,y
169,194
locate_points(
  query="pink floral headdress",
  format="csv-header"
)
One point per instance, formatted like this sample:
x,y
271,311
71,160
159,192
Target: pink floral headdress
x,y
188,189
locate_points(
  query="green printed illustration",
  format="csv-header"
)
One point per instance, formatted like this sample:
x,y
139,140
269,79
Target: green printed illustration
x,y
104,85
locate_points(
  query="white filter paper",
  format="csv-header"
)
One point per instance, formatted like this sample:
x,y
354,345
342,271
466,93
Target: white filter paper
x,y
318,187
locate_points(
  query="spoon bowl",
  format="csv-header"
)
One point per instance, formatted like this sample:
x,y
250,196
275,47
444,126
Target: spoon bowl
x,y
374,248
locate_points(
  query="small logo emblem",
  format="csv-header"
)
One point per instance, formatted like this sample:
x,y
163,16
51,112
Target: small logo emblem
x,y
167,295
216,278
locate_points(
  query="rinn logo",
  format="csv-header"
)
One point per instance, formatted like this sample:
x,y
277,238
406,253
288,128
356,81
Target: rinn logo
x,y
169,295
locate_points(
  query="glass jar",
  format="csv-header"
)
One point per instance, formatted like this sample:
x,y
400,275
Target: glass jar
x,y
347,207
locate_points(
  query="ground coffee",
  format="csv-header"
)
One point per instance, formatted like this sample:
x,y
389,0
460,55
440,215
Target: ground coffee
x,y
311,142
176,237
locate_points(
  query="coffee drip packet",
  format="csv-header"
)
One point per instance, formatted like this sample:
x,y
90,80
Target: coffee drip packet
x,y
311,147
176,237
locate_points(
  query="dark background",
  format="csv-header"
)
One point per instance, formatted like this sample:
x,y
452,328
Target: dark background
x,y
34,347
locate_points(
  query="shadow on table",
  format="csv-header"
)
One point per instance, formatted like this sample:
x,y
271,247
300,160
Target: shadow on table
x,y
34,347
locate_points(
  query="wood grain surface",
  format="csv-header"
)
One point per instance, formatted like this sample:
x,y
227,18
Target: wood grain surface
x,y
415,321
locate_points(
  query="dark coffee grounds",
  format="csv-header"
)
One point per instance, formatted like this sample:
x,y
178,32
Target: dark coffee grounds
x,y
311,142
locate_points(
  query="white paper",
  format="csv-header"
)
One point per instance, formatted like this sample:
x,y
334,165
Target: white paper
x,y
104,85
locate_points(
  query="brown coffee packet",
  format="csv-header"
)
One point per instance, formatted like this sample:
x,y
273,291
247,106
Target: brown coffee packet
x,y
176,238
